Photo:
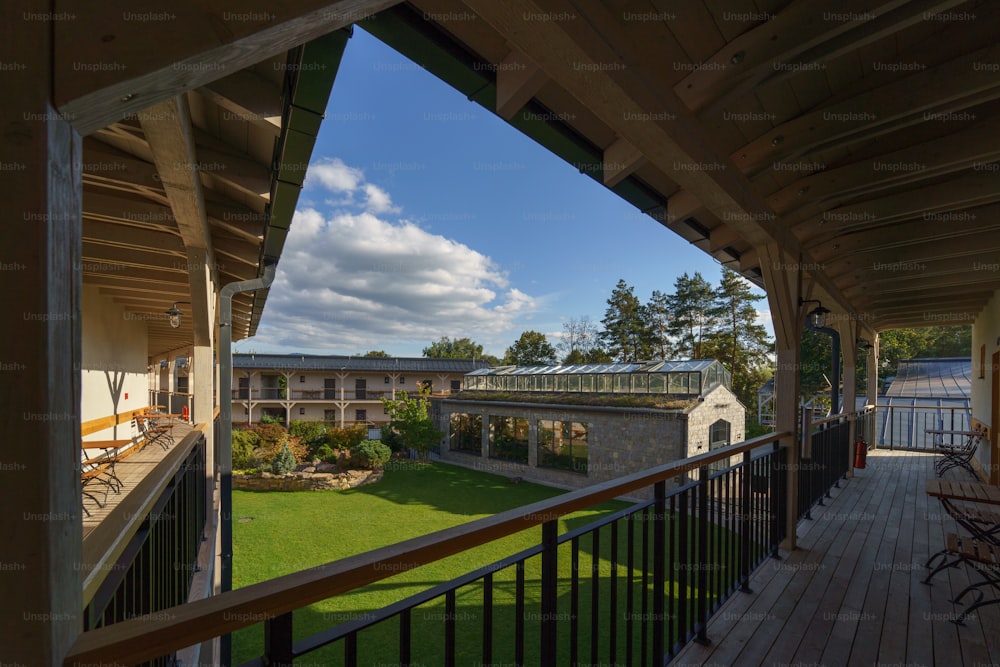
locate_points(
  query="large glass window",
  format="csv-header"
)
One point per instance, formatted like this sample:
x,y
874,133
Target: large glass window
x,y
509,438
562,445
466,433
718,436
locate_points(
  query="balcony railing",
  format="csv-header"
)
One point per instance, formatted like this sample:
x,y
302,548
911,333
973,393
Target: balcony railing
x,y
903,425
281,394
699,541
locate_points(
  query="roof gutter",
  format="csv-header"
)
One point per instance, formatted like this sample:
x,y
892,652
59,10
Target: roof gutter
x,y
224,463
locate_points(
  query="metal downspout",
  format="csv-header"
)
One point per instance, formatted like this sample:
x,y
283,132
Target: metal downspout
x,y
225,462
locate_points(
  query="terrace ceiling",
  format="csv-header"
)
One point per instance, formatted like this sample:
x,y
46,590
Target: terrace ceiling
x,y
198,176
861,137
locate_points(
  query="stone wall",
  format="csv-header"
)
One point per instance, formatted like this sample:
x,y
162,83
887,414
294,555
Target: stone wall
x,y
720,403
620,440
306,480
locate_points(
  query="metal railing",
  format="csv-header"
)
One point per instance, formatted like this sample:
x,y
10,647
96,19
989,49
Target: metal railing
x,y
904,425
826,457
699,540
173,402
155,569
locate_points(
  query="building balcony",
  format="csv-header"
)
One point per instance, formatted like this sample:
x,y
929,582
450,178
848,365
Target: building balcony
x,y
321,395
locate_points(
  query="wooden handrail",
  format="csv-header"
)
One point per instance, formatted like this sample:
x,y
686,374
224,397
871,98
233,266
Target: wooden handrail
x,y
101,423
838,416
925,407
148,637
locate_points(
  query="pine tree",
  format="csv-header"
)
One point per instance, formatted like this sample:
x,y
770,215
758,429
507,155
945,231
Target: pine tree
x,y
660,316
626,334
694,314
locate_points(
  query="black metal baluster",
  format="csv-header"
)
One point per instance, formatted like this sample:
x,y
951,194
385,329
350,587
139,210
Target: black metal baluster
x,y
659,565
550,579
703,555
746,498
488,619
595,590
683,565
351,650
519,616
672,630
613,616
404,638
644,617
449,628
574,602
629,592
278,640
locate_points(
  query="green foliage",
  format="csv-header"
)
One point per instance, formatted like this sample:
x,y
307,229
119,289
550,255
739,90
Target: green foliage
x,y
284,461
580,342
370,455
627,334
325,453
531,349
313,433
244,443
345,438
694,314
376,353
410,421
268,419
459,348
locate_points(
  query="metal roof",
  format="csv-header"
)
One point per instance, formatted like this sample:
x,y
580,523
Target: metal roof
x,y
302,362
949,377
679,366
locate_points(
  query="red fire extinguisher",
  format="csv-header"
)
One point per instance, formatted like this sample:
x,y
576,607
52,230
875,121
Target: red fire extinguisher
x,y
184,415
860,453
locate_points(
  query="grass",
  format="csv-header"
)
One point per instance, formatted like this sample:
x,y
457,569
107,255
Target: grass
x,y
279,533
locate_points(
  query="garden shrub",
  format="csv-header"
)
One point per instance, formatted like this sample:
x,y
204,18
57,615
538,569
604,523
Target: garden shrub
x,y
272,438
313,433
370,454
325,454
346,438
284,461
244,443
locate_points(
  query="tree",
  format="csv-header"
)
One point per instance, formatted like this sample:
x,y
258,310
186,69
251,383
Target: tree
x,y
580,340
694,314
660,316
459,348
740,342
376,353
626,334
531,349
410,423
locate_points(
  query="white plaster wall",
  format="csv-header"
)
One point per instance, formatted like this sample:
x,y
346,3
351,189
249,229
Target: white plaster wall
x,y
115,348
985,331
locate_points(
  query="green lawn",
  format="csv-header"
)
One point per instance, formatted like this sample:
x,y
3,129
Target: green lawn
x,y
291,531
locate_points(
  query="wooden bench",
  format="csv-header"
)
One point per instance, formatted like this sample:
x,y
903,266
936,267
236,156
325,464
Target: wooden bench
x,y
100,469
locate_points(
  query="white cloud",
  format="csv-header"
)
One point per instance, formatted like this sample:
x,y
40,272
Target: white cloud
x,y
348,282
334,175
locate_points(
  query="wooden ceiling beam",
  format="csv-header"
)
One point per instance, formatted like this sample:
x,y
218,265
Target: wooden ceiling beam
x,y
678,147
193,43
518,79
129,235
127,207
951,86
794,40
97,252
620,160
248,96
103,162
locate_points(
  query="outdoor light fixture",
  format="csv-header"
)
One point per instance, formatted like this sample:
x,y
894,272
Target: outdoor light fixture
x,y
864,345
817,316
174,314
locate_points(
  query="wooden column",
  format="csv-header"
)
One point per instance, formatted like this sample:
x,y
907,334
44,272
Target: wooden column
x,y
873,366
783,281
39,481
849,353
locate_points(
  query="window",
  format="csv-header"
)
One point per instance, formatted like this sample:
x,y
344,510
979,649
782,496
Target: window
x,y
330,415
402,380
387,380
302,411
456,385
361,389
302,378
718,436
466,433
562,445
182,384
360,415
509,438
329,389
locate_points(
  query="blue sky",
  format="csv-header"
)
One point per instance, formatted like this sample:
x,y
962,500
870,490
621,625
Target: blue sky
x,y
424,215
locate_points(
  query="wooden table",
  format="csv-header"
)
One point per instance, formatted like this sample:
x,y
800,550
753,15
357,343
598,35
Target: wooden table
x,y
973,492
105,444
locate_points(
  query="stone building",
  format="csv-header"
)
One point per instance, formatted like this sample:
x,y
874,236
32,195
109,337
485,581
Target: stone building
x,y
577,425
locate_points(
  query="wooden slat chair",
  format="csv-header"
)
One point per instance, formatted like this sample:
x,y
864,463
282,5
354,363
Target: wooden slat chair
x,y
958,456
160,435
981,556
99,469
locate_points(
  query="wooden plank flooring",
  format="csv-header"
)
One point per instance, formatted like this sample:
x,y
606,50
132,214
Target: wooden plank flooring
x,y
851,593
129,470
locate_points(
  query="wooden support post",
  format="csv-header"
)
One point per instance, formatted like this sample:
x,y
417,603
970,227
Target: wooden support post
x,y
41,284
873,365
849,331
783,280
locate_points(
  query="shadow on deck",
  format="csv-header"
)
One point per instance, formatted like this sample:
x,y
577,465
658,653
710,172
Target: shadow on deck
x,y
851,594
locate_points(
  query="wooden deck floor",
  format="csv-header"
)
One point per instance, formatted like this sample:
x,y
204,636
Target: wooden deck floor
x,y
851,593
130,471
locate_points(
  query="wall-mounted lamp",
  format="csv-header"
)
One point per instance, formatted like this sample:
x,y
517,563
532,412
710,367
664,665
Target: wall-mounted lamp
x,y
864,345
174,314
817,316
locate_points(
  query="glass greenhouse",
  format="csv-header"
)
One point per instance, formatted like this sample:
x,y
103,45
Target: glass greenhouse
x,y
675,378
